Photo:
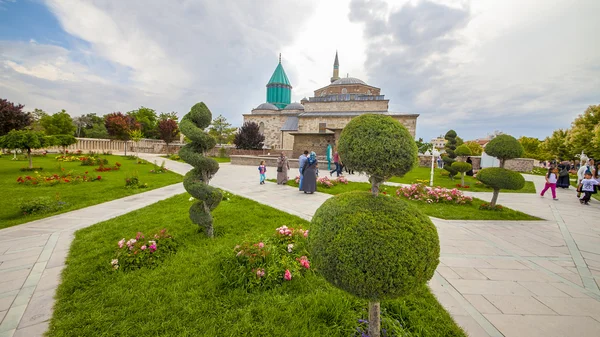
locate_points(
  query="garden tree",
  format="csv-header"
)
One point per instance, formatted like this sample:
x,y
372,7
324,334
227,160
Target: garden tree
x,y
476,149
136,136
26,140
248,137
461,166
503,147
450,155
221,129
97,131
168,115
423,146
459,141
168,131
557,146
196,181
118,126
147,118
12,117
64,141
582,133
37,115
532,148
398,246
60,123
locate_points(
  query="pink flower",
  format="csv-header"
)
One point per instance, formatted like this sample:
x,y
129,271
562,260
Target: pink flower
x,y
143,247
306,233
290,247
122,243
287,276
261,245
260,272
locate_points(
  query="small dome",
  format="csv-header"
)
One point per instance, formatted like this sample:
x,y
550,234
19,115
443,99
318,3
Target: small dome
x,y
348,80
266,106
294,106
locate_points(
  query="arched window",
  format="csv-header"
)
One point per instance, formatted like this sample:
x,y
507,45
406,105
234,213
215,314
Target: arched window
x,y
261,128
344,91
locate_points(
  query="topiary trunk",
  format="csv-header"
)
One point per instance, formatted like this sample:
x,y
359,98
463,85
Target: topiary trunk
x,y
494,197
29,157
375,182
462,179
374,319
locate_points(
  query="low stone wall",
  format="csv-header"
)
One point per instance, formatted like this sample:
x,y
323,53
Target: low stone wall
x,y
270,161
520,164
230,150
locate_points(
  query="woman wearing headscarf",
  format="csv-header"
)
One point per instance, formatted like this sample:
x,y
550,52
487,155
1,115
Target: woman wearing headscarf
x,y
563,175
282,169
470,172
309,184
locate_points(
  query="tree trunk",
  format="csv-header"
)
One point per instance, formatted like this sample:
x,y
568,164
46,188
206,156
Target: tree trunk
x,y
375,182
462,179
29,157
374,319
167,148
502,163
209,226
494,197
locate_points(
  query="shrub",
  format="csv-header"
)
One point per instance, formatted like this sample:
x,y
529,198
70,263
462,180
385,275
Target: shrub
x,y
248,137
174,157
159,169
463,151
461,167
433,195
137,253
448,166
267,262
93,161
374,247
222,152
379,146
134,182
103,168
500,178
451,143
504,147
40,205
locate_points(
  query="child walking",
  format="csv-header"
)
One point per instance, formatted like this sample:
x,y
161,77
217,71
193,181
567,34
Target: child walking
x,y
551,179
262,169
587,187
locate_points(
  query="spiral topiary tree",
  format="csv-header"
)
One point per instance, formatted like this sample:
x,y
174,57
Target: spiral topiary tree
x,y
373,246
196,181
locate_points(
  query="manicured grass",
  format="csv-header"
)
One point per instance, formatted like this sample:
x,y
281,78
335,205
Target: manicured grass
x,y
110,187
423,174
186,296
438,210
218,159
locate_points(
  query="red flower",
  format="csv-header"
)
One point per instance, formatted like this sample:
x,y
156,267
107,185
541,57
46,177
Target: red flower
x,y
86,172
99,177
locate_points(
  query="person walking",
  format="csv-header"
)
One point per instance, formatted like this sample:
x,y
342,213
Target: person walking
x,y
309,183
582,170
440,162
262,170
586,186
551,179
563,175
282,169
301,161
336,161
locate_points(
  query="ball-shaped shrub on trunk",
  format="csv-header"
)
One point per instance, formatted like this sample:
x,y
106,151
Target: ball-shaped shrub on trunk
x,y
196,181
462,151
462,167
500,178
504,147
374,247
378,146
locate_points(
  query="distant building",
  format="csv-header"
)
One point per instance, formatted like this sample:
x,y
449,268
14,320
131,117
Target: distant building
x,y
439,143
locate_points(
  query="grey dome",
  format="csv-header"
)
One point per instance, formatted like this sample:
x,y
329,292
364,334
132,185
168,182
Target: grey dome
x,y
349,80
294,106
266,106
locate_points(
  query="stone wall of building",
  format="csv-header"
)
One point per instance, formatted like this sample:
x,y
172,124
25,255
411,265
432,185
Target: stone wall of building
x,y
350,89
312,142
311,124
347,106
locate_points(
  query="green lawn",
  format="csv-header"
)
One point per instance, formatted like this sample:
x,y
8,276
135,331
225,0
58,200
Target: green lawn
x,y
438,210
110,187
423,174
185,296
218,159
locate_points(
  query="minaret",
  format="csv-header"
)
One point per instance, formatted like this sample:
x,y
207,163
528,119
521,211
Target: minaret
x,y
336,69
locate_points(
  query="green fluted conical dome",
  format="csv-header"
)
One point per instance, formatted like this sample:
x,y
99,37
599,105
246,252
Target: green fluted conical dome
x,y
279,89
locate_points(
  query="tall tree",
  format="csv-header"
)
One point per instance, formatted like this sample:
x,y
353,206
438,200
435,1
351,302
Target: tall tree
x,y
12,117
119,125
221,130
557,146
248,137
37,115
60,123
26,140
168,131
532,148
147,118
423,146
581,135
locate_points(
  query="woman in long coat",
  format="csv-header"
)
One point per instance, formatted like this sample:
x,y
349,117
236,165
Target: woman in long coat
x,y
309,182
282,169
563,175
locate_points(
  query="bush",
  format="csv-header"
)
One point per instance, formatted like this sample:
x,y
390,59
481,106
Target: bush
x,y
93,161
41,205
248,137
137,253
433,195
463,151
504,147
375,247
461,167
500,178
222,152
379,146
448,166
451,143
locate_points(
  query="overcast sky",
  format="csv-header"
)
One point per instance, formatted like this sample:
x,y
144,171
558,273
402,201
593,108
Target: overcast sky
x,y
524,67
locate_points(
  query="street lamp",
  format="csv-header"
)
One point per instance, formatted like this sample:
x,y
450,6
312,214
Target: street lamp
x,y
434,155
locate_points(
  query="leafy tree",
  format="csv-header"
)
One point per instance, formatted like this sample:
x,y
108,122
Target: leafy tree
x,y
463,151
26,140
37,115
12,117
196,181
582,133
148,120
459,141
65,141
461,167
168,115
248,137
221,130
136,136
557,146
504,147
97,131
60,123
532,148
119,126
168,131
423,146
399,245
476,149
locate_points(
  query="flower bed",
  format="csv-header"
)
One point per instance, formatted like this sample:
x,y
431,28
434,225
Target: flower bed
x,y
489,207
103,168
326,182
267,262
433,194
54,179
137,253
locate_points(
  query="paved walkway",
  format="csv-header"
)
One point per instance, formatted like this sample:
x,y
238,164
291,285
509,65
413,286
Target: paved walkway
x,y
497,278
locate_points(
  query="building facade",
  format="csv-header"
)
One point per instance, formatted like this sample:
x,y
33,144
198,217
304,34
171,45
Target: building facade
x,y
317,121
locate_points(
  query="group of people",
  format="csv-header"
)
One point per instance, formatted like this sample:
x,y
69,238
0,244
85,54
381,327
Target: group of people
x,y
588,179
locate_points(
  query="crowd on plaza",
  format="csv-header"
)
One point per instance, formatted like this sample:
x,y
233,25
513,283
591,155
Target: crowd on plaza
x,y
558,175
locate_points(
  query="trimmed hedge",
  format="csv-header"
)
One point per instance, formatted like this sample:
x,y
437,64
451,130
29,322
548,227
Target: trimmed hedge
x,y
375,247
377,145
501,178
463,150
461,166
504,147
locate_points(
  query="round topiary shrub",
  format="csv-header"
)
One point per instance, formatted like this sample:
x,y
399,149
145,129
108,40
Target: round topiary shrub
x,y
500,178
462,151
196,181
374,247
379,146
504,147
462,167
